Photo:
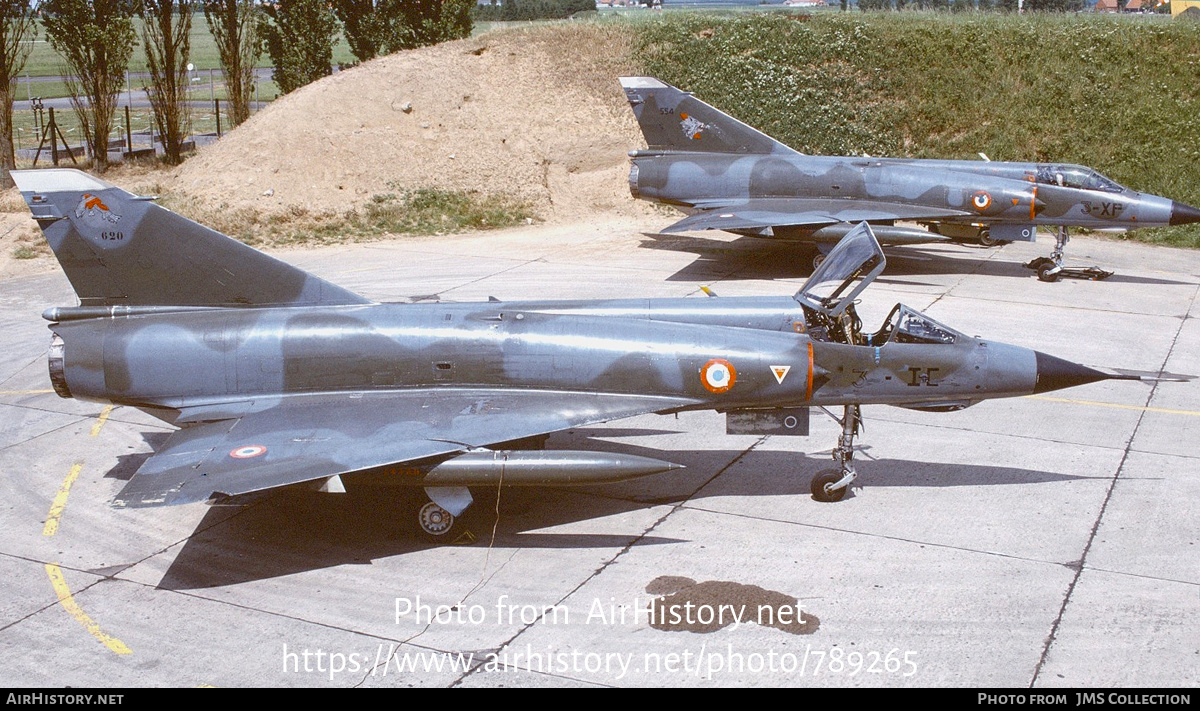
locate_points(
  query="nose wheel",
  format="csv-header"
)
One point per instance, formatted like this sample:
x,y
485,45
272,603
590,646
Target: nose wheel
x,y
831,485
825,486
1051,268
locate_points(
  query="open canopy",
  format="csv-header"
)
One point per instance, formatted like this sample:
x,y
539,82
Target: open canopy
x,y
850,267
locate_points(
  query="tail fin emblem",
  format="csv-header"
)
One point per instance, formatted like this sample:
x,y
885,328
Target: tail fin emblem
x,y
94,212
692,128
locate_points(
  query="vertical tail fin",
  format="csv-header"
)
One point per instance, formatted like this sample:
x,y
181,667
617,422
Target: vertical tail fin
x,y
119,249
671,119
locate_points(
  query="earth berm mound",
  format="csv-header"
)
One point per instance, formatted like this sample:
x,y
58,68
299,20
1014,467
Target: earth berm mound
x,y
534,114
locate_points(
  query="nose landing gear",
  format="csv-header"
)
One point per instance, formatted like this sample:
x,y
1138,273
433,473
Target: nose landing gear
x,y
1051,268
831,484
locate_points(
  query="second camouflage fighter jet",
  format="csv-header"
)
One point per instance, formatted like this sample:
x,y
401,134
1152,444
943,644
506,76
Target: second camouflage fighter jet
x,y
275,377
731,177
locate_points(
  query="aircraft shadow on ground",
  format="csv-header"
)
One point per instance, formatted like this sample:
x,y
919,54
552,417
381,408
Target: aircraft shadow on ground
x,y
291,531
128,464
755,258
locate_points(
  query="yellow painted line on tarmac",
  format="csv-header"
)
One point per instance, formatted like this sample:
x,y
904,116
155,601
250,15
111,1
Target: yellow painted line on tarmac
x,y
1165,410
60,501
24,392
67,600
101,419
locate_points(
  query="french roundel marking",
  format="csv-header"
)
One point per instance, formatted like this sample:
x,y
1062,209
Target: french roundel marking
x,y
250,451
718,375
981,200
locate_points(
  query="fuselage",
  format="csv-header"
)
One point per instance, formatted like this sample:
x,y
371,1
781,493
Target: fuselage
x,y
984,192
718,353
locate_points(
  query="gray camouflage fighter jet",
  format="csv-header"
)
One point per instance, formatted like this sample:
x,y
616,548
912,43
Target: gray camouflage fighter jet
x,y
730,177
275,377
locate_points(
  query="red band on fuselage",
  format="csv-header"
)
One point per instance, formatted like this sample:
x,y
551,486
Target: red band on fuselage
x,y
808,389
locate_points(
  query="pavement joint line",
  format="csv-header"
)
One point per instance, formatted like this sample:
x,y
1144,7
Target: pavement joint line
x,y
39,610
990,256
67,600
409,640
20,370
755,263
282,615
43,434
26,392
1071,307
484,579
196,596
1003,434
621,268
386,267
604,566
1142,576
23,406
488,276
1053,634
868,534
182,542
1095,403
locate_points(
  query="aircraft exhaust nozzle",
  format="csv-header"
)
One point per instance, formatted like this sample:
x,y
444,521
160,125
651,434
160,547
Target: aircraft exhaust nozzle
x,y
1182,214
541,468
1056,374
57,362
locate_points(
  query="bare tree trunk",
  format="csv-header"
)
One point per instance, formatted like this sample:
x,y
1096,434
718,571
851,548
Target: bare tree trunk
x,y
8,157
16,28
234,26
167,47
96,38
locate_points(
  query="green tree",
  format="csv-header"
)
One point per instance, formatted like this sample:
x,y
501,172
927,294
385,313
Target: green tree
x,y
165,28
234,26
96,38
367,25
17,28
300,40
424,22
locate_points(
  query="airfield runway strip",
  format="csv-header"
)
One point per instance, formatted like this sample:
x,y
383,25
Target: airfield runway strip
x,y
1038,541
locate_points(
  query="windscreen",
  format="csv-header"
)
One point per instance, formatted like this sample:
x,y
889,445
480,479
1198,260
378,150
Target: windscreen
x,y
1076,176
905,325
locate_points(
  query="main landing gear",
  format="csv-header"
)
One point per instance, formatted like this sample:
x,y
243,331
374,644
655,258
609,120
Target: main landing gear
x,y
1051,268
832,484
438,517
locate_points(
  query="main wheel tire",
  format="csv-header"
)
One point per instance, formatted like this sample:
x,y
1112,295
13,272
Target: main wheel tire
x,y
828,476
435,521
1044,269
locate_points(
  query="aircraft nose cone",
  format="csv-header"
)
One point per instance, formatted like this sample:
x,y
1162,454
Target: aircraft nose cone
x,y
1182,214
1056,373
